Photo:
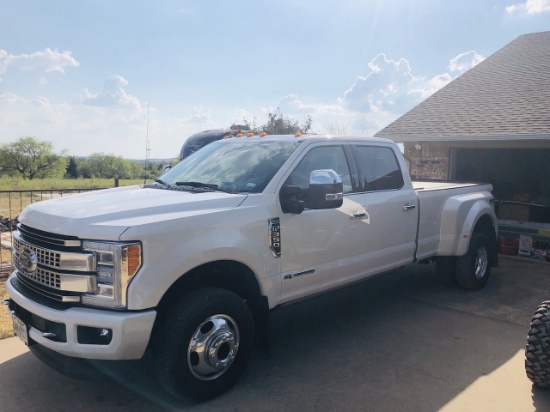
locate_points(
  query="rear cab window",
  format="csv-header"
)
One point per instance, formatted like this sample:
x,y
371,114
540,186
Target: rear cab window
x,y
378,168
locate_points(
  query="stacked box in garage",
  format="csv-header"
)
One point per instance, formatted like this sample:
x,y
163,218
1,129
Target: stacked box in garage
x,y
534,247
525,245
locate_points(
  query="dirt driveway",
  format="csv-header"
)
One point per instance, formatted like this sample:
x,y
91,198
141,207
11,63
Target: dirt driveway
x,y
401,342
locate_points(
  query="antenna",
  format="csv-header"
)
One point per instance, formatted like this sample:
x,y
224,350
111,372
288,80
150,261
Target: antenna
x,y
147,148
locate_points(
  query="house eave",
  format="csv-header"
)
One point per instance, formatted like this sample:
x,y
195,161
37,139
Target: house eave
x,y
464,138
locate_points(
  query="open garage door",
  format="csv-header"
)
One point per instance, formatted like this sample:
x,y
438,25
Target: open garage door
x,y
520,177
521,181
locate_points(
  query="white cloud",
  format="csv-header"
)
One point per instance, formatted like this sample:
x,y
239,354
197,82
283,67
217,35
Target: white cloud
x,y
112,95
93,122
377,98
428,87
200,118
384,88
465,61
530,7
47,60
79,128
41,102
10,99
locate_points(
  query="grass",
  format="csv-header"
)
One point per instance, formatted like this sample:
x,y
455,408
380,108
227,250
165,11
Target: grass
x,y
6,328
16,183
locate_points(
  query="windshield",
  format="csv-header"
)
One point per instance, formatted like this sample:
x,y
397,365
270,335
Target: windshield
x,y
232,165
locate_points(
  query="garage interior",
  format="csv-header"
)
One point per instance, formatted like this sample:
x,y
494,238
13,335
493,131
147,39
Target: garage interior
x,y
521,187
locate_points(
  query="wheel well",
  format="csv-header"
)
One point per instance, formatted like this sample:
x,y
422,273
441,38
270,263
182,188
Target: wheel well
x,y
485,225
225,274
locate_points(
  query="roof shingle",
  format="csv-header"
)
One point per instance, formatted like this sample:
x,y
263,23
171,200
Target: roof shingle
x,y
507,95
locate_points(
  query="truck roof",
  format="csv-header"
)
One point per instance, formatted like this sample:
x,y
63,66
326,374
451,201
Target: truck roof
x,y
315,137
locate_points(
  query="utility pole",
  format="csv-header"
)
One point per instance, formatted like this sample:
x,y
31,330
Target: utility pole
x,y
147,148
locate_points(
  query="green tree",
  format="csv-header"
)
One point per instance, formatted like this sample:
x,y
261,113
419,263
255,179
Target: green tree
x,y
31,159
109,166
278,123
72,168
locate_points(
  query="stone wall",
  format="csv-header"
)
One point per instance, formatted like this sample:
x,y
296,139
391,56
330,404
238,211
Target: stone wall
x,y
428,162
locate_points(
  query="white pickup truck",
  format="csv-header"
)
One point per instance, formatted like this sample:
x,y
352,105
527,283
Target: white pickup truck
x,y
187,269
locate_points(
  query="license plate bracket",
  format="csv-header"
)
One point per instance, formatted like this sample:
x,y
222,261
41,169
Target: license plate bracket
x,y
20,329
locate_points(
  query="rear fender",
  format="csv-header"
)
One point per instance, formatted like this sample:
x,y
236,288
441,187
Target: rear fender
x,y
459,218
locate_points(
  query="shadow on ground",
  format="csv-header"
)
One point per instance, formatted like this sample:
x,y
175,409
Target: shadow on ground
x,y
397,342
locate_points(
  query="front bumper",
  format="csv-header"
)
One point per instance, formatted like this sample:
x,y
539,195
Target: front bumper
x,y
130,330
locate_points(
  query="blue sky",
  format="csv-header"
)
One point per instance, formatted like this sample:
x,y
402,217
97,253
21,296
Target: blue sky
x,y
82,74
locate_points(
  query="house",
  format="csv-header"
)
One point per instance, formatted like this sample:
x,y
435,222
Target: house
x,y
490,124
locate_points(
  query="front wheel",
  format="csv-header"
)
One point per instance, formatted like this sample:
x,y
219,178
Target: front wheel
x,y
537,351
473,269
203,344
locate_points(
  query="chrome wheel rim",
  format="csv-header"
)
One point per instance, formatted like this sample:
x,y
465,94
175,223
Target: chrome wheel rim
x,y
481,262
213,347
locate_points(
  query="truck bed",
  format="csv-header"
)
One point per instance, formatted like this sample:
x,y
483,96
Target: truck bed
x,y
419,185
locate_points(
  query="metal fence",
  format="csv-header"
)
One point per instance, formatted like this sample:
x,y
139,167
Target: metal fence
x,y
12,203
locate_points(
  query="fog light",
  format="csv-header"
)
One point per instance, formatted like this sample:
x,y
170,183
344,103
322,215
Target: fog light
x,y
94,336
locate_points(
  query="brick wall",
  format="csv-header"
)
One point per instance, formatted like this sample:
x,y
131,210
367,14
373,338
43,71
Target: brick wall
x,y
430,162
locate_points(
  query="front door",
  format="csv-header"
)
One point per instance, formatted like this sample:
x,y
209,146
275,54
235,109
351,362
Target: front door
x,y
318,246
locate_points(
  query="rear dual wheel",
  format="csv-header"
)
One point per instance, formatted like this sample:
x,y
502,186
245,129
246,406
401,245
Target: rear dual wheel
x,y
204,343
470,271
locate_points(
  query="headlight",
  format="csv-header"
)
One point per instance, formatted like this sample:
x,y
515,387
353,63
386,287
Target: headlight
x,y
116,264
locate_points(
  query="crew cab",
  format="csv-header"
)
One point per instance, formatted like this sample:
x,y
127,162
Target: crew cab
x,y
187,269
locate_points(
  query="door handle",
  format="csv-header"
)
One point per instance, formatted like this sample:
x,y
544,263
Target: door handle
x,y
358,215
406,208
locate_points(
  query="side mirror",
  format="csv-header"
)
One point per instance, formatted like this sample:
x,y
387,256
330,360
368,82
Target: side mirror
x,y
326,190
165,168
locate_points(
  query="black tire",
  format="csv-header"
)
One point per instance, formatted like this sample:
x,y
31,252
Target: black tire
x,y
445,269
473,269
223,328
537,351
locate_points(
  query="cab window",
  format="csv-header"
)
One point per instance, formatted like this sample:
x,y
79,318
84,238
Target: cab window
x,y
323,157
378,169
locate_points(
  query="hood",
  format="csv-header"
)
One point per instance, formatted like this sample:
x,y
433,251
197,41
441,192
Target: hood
x,y
106,214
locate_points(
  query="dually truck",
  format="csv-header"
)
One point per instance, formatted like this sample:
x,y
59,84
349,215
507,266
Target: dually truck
x,y
187,269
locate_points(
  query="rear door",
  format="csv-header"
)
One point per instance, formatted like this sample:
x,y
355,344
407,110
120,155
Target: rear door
x,y
391,206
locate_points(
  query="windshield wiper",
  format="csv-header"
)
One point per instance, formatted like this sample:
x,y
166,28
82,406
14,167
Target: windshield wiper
x,y
162,182
202,186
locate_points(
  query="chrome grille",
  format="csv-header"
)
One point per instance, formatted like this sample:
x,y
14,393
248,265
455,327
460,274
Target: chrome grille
x,y
44,256
44,277
62,275
79,262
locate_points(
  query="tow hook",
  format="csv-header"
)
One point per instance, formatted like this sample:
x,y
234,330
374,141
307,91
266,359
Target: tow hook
x,y
6,302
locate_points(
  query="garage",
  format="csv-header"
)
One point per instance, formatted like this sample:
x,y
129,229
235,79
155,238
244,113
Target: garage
x,y
492,124
522,187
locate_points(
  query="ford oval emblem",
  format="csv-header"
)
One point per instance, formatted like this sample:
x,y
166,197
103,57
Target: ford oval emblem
x,y
28,260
